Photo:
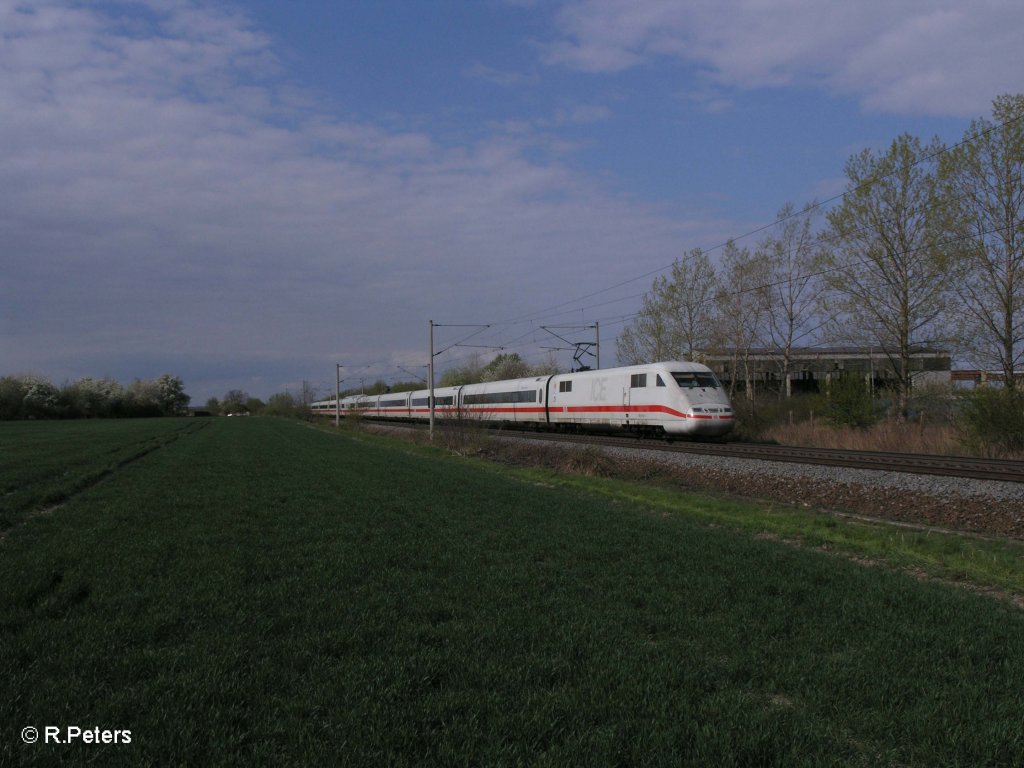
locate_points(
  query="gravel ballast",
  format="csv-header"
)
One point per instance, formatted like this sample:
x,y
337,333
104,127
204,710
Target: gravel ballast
x,y
987,507
977,506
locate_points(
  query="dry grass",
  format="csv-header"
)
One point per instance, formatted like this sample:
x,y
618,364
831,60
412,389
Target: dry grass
x,y
470,437
462,436
902,437
587,461
934,430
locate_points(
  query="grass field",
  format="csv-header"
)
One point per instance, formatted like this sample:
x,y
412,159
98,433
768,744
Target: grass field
x,y
255,592
44,463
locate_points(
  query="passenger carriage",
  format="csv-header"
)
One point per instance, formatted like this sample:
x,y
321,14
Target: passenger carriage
x,y
513,401
446,403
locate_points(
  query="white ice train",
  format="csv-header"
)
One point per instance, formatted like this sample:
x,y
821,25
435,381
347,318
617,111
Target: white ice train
x,y
671,398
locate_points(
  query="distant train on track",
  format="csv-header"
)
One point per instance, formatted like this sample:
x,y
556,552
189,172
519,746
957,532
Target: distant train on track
x,y
670,398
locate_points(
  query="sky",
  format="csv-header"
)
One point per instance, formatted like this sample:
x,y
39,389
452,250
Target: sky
x,y
246,193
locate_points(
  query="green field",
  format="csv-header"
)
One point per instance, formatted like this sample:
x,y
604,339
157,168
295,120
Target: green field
x,y
256,592
44,463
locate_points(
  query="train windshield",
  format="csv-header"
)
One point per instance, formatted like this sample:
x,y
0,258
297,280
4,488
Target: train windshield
x,y
696,380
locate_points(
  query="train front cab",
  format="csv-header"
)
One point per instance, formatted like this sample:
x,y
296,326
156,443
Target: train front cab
x,y
702,402
643,399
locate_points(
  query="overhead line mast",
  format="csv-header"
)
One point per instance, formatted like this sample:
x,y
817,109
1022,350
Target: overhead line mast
x,y
337,395
480,329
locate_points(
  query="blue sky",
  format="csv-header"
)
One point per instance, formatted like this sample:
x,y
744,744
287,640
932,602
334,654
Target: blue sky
x,y
244,193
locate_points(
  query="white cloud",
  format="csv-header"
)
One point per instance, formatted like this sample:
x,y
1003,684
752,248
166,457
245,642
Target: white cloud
x,y
499,77
918,56
581,114
163,197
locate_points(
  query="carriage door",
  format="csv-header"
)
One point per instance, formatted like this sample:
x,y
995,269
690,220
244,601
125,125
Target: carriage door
x,y
625,403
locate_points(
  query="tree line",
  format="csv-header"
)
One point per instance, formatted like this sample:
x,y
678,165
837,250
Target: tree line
x,y
924,248
29,396
507,365
238,401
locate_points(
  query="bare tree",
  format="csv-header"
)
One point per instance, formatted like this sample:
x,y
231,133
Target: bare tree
x,y
983,186
309,393
792,262
890,275
677,316
741,309
234,401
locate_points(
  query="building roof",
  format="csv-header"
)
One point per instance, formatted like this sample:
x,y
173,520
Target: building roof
x,y
849,351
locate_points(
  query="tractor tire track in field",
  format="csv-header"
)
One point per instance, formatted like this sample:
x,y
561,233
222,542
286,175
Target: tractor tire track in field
x,y
54,501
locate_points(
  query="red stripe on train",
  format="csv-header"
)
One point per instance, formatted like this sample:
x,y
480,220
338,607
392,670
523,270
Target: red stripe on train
x,y
556,410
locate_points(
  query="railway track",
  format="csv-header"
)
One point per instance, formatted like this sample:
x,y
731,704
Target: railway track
x,y
921,464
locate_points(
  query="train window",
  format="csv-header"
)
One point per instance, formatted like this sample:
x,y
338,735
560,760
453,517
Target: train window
x,y
492,398
565,386
638,380
696,380
660,382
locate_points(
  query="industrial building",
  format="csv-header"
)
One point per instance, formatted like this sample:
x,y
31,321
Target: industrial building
x,y
811,367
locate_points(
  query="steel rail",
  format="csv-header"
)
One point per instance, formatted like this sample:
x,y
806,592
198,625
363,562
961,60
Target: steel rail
x,y
1005,470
